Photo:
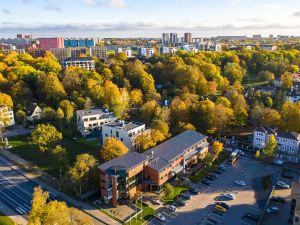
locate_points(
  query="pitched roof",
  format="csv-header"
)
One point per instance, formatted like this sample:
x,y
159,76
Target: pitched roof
x,y
279,133
30,108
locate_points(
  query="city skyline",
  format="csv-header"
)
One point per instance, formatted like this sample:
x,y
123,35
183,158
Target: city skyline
x,y
129,18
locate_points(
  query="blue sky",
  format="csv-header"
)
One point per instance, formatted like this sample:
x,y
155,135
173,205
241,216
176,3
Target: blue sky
x,y
148,18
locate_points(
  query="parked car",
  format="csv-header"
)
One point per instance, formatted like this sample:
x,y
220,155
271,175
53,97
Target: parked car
x,y
217,171
186,195
272,210
206,182
228,149
240,182
229,196
172,207
220,208
278,162
195,191
283,185
252,216
160,217
213,175
223,204
180,202
278,199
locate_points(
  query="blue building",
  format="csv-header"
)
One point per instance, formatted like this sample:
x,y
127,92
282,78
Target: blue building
x,y
79,43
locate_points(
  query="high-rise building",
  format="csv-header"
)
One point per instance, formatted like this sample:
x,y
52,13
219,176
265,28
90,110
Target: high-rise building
x,y
78,52
82,62
99,52
61,54
165,39
36,52
48,43
173,38
79,42
188,38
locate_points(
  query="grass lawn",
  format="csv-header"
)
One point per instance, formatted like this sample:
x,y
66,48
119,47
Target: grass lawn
x,y
253,81
177,191
147,214
25,150
202,173
5,220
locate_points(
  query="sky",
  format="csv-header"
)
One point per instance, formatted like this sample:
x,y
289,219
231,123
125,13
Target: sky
x,y
148,18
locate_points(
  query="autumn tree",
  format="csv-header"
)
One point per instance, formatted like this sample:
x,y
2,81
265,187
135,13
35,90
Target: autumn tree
x,y
217,148
69,110
45,136
112,148
60,157
270,149
286,80
82,172
234,72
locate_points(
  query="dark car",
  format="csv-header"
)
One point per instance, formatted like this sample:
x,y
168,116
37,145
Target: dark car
x,y
223,204
180,202
186,195
209,177
206,182
217,171
195,191
252,216
278,199
213,175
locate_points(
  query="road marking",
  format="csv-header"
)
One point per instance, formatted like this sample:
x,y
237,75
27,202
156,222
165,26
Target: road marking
x,y
11,199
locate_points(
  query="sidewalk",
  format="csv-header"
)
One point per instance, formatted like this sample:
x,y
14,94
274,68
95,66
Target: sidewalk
x,y
98,216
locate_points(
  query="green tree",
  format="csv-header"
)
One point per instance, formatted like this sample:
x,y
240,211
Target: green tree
x,y
168,190
234,72
287,81
20,116
112,148
69,111
60,156
270,149
45,136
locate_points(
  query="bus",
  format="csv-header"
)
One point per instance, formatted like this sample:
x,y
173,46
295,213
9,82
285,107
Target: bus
x,y
234,156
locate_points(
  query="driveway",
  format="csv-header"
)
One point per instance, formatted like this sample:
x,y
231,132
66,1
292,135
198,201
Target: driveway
x,y
16,130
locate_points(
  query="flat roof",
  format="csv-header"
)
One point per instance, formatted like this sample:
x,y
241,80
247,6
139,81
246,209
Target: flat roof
x,y
122,125
126,161
167,151
94,111
83,59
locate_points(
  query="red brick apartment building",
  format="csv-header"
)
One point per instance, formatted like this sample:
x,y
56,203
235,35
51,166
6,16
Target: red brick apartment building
x,y
122,177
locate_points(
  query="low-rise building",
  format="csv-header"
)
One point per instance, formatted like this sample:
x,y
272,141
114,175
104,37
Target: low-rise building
x,y
91,120
33,112
146,52
269,47
122,177
189,48
287,142
127,51
84,62
127,132
168,50
7,116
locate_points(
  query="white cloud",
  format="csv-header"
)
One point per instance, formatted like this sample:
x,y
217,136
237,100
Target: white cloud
x,y
5,11
120,4
52,7
297,13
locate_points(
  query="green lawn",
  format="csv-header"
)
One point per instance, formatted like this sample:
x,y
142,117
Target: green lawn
x,y
177,191
25,150
253,81
202,173
4,220
147,214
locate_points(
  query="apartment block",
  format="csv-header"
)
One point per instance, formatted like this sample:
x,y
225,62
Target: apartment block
x,y
73,42
122,177
91,120
61,54
288,142
188,38
83,62
127,51
168,50
146,52
48,43
99,52
127,132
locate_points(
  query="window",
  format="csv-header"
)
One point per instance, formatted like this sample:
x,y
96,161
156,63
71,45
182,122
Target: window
x,y
111,131
121,139
117,133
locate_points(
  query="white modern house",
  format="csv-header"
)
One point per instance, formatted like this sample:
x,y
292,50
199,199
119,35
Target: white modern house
x,y
168,50
288,142
127,51
127,132
33,112
146,52
8,115
82,62
90,120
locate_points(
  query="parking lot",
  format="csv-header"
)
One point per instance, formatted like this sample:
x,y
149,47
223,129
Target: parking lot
x,y
249,198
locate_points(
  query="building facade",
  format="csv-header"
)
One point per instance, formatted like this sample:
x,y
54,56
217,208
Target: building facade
x,y
168,50
83,62
126,132
165,41
8,116
127,51
121,178
86,42
48,43
188,38
91,120
173,38
61,54
287,142
33,112
99,52
146,52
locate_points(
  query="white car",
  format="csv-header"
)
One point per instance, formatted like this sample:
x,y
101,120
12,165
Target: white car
x,y
171,207
272,210
283,185
160,217
278,162
229,196
240,182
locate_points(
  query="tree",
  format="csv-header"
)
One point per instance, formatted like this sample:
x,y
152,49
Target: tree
x,y
5,99
267,76
45,136
270,117
185,126
68,109
208,159
59,116
39,201
77,217
257,154
136,97
148,110
169,190
60,158
82,171
234,72
217,148
112,148
287,81
161,126
270,149
48,114
20,116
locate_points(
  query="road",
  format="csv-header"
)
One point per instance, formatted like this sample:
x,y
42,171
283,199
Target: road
x,y
16,190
